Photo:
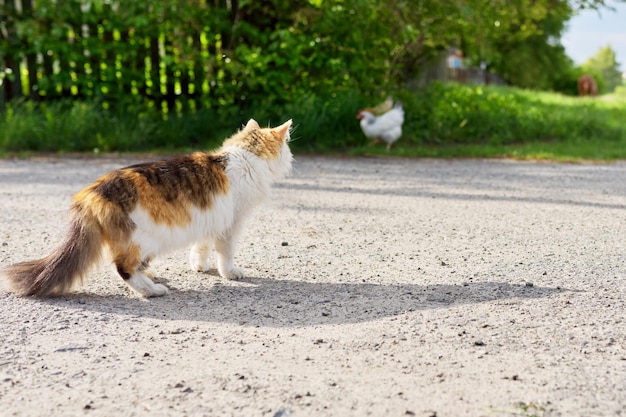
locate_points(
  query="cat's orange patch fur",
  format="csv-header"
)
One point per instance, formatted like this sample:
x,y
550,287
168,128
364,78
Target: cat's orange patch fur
x,y
156,188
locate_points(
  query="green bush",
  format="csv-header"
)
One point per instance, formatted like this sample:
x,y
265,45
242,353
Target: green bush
x,y
440,115
455,114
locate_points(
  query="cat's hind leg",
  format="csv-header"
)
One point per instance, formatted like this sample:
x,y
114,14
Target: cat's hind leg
x,y
199,255
133,272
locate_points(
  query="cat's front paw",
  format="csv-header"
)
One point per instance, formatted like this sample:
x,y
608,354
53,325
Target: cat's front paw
x,y
199,256
199,265
233,273
198,262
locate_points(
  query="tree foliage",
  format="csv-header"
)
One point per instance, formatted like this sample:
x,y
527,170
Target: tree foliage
x,y
606,66
246,53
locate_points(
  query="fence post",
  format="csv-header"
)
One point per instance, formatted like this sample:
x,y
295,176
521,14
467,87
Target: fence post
x,y
12,86
170,97
3,20
31,57
155,71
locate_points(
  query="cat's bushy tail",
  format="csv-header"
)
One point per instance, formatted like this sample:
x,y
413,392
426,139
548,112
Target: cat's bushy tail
x,y
57,272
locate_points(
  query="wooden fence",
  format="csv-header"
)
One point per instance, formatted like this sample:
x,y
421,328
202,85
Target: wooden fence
x,y
110,52
176,54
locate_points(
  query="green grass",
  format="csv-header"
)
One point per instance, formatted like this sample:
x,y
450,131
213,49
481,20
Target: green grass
x,y
476,122
567,151
442,120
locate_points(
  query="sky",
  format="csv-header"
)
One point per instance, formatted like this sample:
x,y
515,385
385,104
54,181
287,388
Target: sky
x,y
591,30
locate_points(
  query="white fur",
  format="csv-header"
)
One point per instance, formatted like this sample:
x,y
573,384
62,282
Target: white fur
x,y
250,178
199,255
145,286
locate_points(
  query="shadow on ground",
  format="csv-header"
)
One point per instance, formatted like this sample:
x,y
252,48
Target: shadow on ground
x,y
288,303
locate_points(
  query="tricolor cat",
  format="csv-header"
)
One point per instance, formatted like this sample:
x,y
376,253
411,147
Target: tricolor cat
x,y
144,210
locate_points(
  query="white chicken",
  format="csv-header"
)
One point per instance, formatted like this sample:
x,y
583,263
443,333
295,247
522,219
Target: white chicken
x,y
387,127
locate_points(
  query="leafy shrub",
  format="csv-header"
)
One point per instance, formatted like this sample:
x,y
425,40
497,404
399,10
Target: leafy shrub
x,y
457,114
438,115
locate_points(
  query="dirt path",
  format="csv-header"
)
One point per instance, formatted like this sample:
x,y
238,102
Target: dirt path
x,y
379,287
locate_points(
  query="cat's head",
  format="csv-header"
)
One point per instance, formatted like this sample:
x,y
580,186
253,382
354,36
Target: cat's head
x,y
269,144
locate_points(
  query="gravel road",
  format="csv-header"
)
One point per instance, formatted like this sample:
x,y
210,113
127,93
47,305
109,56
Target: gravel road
x,y
382,287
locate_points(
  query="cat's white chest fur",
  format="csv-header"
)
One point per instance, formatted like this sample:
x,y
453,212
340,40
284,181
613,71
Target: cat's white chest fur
x,y
155,239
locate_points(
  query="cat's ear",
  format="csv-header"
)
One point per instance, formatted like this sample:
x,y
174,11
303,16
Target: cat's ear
x,y
252,124
283,129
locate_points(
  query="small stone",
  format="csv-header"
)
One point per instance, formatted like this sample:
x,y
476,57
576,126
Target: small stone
x,y
479,343
284,244
529,284
282,412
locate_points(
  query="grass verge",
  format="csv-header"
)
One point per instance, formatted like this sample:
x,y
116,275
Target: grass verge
x,y
442,120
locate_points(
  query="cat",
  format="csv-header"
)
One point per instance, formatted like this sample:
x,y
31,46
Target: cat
x,y
144,210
